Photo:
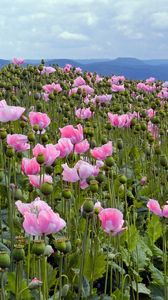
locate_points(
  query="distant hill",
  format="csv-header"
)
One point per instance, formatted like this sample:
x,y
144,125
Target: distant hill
x,y
131,68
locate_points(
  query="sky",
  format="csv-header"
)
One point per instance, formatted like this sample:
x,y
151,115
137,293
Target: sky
x,y
83,29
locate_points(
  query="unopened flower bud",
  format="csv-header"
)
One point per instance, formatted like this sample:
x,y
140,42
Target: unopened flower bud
x,y
4,260
46,188
38,247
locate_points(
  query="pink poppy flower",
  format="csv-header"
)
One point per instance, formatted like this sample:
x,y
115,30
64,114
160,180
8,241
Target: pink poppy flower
x,y
165,211
35,206
103,151
75,135
153,129
154,207
111,221
81,147
83,113
18,142
97,207
48,70
150,80
50,88
45,222
65,147
35,180
102,99
45,97
17,61
117,79
39,218
78,70
117,88
49,151
70,174
143,180
79,81
40,119
10,113
151,113
30,166
85,88
67,68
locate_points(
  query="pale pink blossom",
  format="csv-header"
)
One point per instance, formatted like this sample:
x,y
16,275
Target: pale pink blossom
x,y
111,221
117,88
81,147
36,182
34,206
30,166
49,151
50,88
18,142
65,147
74,134
48,70
84,113
39,218
102,152
40,119
67,68
10,113
79,81
97,207
70,174
17,61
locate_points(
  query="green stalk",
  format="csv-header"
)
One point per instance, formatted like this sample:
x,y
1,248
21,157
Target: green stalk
x,y
84,244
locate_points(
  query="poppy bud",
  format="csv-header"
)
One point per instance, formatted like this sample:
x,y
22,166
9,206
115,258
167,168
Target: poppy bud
x,y
4,260
38,247
46,188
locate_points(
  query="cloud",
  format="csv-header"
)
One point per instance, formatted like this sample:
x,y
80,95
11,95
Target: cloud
x,y
66,35
81,29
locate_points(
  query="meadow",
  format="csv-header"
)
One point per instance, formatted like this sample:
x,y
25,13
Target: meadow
x,y
83,185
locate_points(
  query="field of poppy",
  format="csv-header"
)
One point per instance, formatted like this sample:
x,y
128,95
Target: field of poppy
x,y
83,185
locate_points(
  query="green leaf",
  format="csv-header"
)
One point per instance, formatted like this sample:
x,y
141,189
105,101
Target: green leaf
x,y
142,289
157,292
11,286
94,269
154,228
119,295
132,237
157,276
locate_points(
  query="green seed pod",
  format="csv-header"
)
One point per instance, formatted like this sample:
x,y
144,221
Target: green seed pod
x,y
18,253
109,161
163,160
88,206
40,159
119,144
10,152
122,179
38,247
18,194
93,186
67,194
31,136
3,133
4,260
60,244
46,188
44,138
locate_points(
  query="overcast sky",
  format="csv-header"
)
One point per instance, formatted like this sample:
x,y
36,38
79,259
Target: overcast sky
x,y
83,28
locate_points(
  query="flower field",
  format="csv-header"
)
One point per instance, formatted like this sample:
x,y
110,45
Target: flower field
x,y
83,185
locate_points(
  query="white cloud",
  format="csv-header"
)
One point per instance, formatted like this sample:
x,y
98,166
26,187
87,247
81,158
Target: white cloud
x,y
160,20
66,35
